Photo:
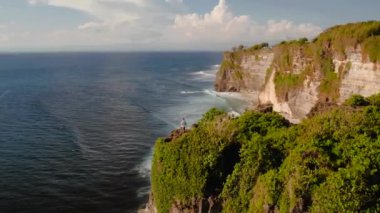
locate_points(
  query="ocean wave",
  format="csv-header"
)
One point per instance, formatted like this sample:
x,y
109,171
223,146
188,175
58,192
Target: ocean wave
x,y
206,92
144,168
211,92
144,191
206,75
191,92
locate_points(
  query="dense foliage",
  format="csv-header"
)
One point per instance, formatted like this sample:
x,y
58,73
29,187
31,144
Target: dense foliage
x,y
341,37
328,163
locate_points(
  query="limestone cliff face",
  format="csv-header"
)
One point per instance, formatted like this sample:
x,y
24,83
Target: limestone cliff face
x,y
257,75
362,78
245,74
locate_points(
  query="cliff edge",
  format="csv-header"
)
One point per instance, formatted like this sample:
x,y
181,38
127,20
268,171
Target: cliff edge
x,y
296,76
261,162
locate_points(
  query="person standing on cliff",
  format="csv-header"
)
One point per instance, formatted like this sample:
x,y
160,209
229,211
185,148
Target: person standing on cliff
x,y
183,124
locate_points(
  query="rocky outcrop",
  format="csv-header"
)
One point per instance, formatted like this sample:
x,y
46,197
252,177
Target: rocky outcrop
x,y
210,205
150,206
295,76
362,77
248,76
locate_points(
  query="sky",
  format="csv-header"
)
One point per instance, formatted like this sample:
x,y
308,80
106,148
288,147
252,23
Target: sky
x,y
164,25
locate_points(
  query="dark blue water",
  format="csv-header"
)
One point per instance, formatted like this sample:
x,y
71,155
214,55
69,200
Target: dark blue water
x,y
77,130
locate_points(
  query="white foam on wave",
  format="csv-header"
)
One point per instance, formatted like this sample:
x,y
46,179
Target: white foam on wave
x,y
191,92
235,95
206,75
210,92
142,192
206,92
144,168
236,101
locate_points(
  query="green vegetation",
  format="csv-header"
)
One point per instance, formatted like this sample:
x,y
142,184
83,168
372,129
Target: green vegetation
x,y
287,78
328,163
287,82
300,41
371,47
194,165
318,57
341,37
231,62
258,47
356,101
374,100
297,60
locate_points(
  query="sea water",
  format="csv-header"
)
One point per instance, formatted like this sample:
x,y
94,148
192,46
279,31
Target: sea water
x,y
77,129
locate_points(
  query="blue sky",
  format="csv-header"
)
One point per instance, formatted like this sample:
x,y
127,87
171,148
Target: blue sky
x,y
122,25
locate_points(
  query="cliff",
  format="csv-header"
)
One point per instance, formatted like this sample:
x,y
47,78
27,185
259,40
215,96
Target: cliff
x,y
261,162
296,76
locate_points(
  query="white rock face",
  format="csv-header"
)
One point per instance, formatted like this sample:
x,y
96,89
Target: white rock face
x,y
268,96
249,78
362,78
255,68
254,72
299,103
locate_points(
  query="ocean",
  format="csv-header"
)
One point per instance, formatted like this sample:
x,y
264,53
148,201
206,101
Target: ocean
x,y
77,129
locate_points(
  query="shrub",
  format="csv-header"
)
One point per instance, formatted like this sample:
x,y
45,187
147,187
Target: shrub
x,y
328,163
374,99
303,41
212,114
371,47
258,47
195,164
356,100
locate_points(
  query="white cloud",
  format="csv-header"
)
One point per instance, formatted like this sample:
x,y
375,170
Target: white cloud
x,y
3,38
111,14
3,35
174,1
217,26
154,24
223,27
290,30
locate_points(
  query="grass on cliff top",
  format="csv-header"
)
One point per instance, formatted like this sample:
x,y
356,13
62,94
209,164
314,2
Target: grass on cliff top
x,y
340,37
318,56
314,59
371,47
197,164
328,163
